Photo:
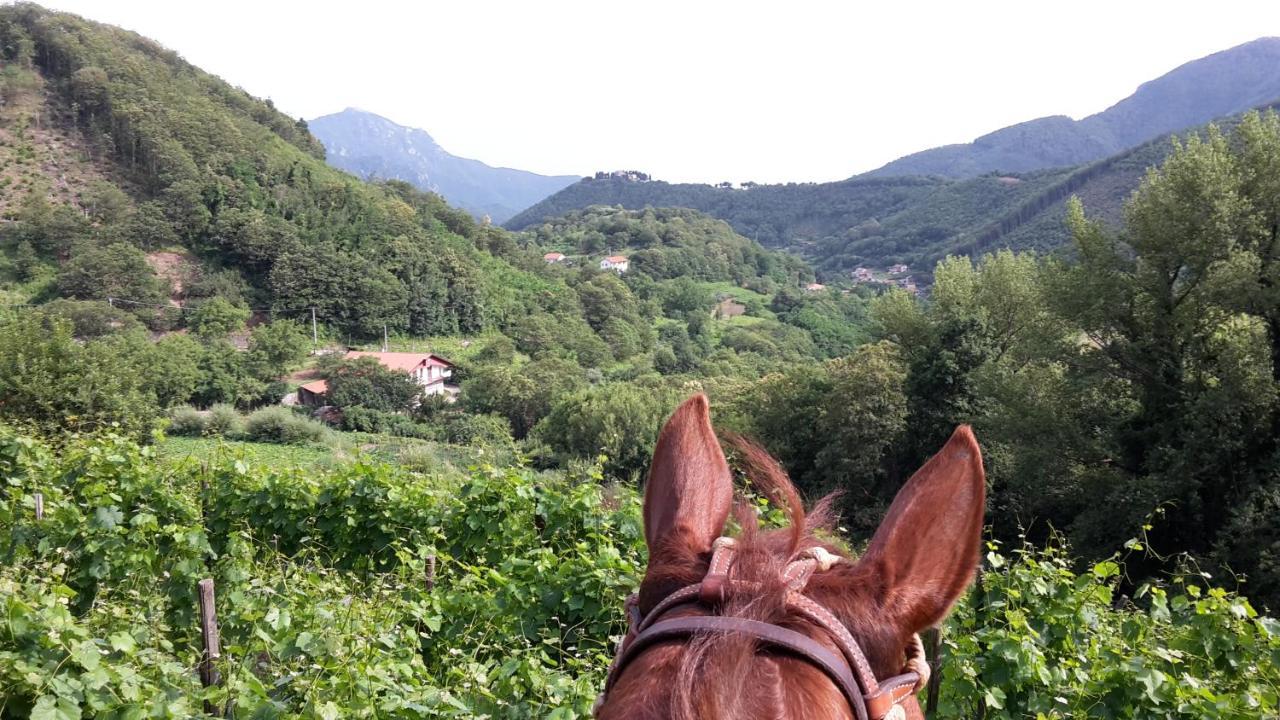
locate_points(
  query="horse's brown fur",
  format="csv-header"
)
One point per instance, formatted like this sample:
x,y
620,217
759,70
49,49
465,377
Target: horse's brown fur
x,y
916,566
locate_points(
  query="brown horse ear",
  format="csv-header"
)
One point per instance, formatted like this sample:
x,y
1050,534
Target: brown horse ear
x,y
689,492
926,549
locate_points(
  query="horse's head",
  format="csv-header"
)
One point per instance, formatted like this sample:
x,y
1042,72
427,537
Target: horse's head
x,y
767,652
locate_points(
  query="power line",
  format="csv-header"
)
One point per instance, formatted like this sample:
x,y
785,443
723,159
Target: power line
x,y
112,300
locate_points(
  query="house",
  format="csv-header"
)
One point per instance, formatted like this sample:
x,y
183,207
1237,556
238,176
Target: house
x,y
615,262
814,287
428,369
863,274
313,393
553,257
898,269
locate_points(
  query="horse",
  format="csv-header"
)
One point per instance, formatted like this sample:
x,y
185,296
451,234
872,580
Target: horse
x,y
779,624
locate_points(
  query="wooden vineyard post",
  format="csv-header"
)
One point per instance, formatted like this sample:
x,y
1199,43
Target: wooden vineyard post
x,y
39,497
431,572
209,637
933,651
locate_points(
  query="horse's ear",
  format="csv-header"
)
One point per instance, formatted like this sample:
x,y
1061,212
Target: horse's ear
x,y
689,492
926,549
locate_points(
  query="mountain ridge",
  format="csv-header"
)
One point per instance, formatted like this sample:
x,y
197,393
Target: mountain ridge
x,y
1222,83
372,146
882,220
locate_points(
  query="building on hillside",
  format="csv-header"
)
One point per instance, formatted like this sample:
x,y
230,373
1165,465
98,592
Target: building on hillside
x,y
898,269
429,370
814,287
863,274
314,393
615,262
908,284
553,257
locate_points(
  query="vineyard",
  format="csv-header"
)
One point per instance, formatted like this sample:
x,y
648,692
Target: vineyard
x,y
368,590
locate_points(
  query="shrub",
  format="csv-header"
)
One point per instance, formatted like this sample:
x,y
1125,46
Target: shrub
x,y
479,430
187,421
362,419
419,458
279,425
224,421
367,383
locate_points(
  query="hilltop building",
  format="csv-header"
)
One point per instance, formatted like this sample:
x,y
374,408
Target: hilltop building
x,y
615,262
553,257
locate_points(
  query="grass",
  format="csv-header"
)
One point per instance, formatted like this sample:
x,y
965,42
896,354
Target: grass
x,y
425,455
178,449
454,349
743,321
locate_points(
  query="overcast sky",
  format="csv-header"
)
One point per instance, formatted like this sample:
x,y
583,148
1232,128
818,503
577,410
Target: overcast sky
x,y
693,90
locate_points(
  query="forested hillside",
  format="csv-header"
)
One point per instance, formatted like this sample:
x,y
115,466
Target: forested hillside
x,y
872,221
388,550
149,197
881,221
181,161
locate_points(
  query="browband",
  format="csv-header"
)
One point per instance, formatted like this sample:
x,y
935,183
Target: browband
x,y
849,670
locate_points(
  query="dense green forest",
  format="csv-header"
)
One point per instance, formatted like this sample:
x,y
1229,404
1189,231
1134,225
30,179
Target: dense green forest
x,y
166,238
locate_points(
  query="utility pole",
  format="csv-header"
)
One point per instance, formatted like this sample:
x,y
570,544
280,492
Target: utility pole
x,y
314,337
384,337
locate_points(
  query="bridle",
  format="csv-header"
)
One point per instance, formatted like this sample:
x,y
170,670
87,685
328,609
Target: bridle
x,y
870,699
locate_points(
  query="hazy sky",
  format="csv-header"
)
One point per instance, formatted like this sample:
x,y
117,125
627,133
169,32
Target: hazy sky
x,y
693,90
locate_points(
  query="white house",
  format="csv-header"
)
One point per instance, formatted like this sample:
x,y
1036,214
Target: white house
x,y
615,262
898,269
863,274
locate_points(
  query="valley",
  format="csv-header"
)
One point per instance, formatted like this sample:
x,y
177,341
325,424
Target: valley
x,y
401,408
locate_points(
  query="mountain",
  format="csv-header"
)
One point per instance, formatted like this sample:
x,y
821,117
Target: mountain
x,y
1224,83
879,221
138,188
839,225
131,174
373,147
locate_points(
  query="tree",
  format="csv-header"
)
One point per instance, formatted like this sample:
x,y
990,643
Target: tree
x,y
275,347
54,383
216,318
114,271
365,382
525,394
25,260
619,421
173,369
1179,308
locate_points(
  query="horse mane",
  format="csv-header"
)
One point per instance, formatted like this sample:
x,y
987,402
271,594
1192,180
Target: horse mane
x,y
761,557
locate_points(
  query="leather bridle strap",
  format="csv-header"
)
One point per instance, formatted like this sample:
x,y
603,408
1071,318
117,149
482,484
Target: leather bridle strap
x,y
772,635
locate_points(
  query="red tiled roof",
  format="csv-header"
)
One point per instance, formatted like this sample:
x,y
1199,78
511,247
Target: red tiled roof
x,y
553,256
405,362
616,258
319,387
